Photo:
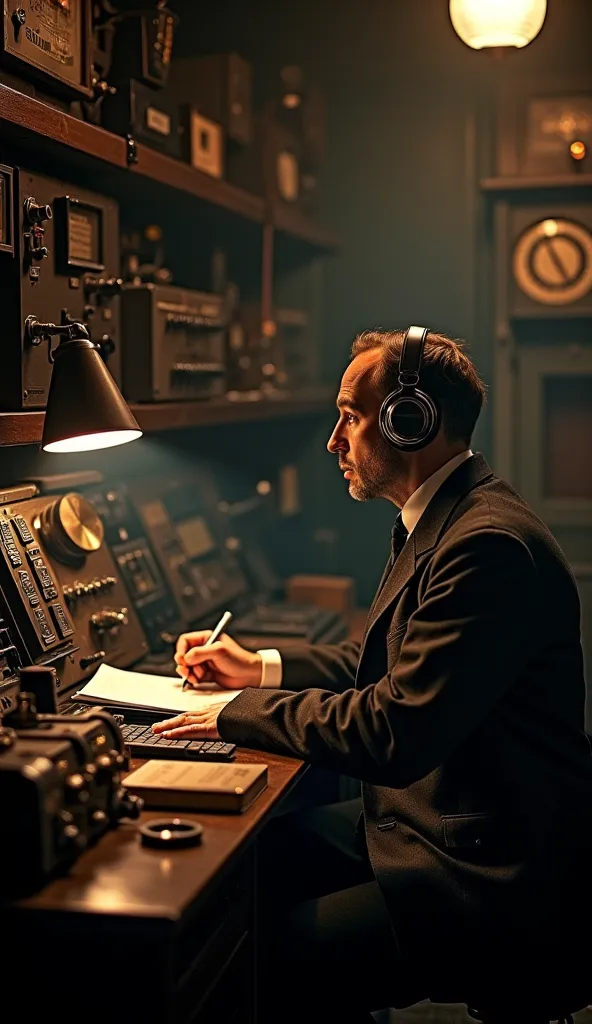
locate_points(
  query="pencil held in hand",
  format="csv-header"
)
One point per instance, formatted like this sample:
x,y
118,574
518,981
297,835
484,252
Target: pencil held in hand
x,y
218,629
222,661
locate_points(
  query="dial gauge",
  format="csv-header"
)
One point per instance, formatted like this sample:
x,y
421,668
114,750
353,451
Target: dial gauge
x,y
552,261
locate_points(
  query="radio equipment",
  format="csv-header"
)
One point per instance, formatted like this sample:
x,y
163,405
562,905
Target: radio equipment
x,y
63,594
247,349
301,110
6,211
274,355
125,535
139,65
272,166
174,344
65,271
178,519
219,86
296,353
61,780
50,42
143,42
145,115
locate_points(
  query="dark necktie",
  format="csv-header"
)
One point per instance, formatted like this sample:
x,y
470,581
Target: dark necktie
x,y
399,535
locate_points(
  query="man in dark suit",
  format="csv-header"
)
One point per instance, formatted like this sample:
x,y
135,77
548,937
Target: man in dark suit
x,y
461,712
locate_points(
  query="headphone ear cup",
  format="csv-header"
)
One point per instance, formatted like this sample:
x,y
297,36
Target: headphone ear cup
x,y
409,421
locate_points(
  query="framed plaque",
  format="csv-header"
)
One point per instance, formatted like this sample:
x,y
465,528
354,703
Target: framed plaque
x,y
50,40
544,130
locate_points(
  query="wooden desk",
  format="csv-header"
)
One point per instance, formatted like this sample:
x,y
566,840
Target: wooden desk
x,y
133,934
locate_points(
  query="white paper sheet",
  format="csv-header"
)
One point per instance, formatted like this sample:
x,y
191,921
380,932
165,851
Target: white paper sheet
x,y
143,690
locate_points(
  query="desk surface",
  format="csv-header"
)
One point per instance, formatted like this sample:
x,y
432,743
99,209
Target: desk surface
x,y
120,876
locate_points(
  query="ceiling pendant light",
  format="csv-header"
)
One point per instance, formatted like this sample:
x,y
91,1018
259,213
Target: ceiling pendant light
x,y
495,23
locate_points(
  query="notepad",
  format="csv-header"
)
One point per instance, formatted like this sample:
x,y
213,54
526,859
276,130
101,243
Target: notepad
x,y
116,686
199,787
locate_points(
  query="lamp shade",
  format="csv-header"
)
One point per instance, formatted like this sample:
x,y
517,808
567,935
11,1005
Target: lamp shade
x,y
482,23
85,408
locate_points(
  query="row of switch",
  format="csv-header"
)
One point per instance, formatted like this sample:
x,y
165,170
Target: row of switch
x,y
79,590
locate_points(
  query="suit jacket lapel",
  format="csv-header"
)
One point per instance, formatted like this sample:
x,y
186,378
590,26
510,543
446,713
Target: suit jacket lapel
x,y
391,585
426,535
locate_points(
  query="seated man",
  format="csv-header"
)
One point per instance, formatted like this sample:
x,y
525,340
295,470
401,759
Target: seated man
x,y
461,712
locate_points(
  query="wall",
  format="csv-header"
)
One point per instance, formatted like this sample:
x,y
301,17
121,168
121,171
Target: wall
x,y
409,134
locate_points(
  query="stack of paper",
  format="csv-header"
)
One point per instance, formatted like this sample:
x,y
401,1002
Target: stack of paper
x,y
116,686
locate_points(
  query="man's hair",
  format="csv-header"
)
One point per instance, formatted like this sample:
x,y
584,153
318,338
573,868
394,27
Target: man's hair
x,y
447,375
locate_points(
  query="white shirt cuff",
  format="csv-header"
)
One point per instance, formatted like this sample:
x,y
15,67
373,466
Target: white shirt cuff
x,y
271,668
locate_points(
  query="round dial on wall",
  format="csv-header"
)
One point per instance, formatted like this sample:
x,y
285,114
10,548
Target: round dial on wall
x,y
552,261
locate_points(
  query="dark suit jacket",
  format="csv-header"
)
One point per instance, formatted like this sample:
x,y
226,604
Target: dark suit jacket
x,y
463,714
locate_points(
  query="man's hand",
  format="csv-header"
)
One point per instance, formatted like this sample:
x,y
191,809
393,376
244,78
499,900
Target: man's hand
x,y
191,725
225,662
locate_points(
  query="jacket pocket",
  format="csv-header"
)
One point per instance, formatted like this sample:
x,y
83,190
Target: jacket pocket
x,y
469,831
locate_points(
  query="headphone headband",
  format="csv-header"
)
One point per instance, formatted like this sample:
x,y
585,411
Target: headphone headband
x,y
411,355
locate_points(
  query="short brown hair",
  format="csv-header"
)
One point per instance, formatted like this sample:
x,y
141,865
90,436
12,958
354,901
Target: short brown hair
x,y
447,375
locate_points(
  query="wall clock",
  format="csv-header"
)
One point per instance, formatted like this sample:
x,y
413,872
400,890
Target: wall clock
x,y
552,261
548,259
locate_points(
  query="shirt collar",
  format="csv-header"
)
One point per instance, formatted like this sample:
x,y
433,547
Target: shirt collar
x,y
416,505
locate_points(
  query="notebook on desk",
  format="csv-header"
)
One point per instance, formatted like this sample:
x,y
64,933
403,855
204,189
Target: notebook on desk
x,y
199,787
117,687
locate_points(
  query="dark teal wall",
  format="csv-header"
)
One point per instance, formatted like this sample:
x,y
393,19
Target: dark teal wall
x,y
409,134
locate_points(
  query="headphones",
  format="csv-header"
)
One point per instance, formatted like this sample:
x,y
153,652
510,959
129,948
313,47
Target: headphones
x,y
408,418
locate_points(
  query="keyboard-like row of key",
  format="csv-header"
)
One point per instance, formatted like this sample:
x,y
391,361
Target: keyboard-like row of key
x,y
142,742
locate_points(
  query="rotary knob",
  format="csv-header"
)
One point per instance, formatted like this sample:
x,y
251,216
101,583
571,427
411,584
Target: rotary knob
x,y
72,528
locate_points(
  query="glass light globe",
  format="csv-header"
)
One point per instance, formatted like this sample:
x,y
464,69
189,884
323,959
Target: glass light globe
x,y
481,23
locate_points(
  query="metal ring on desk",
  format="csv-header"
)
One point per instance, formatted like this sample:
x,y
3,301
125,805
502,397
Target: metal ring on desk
x,y
171,833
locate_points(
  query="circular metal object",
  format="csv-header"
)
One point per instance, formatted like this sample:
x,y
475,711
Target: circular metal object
x,y
71,527
552,261
171,833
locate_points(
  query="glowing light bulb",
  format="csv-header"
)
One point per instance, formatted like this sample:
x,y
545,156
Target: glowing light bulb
x,y
485,23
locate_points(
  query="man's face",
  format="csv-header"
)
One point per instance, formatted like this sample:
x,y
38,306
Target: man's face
x,y
368,462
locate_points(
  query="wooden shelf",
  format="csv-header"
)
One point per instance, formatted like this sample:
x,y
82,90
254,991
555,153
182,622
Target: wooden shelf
x,y
27,427
291,222
27,120
511,184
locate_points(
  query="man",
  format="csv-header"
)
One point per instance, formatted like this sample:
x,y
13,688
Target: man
x,y
461,713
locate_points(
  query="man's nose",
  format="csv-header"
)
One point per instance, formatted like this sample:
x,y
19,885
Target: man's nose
x,y
336,442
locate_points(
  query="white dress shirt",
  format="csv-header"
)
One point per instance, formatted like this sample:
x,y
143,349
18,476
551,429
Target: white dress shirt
x,y
411,513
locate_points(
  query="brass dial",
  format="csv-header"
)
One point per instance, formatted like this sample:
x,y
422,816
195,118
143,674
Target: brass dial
x,y
71,528
552,261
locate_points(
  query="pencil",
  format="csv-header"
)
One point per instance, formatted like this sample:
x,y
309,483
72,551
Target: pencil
x,y
217,630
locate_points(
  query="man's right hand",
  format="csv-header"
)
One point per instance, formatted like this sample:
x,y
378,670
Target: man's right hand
x,y
225,662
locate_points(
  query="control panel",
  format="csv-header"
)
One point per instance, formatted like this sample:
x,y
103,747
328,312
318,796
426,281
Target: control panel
x,y
63,268
138,568
180,524
174,343
64,597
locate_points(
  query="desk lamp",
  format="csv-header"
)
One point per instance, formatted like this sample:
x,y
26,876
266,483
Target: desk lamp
x,y
85,408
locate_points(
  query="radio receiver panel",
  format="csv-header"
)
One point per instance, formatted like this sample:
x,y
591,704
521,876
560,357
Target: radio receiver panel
x,y
178,519
63,592
66,241
50,41
174,343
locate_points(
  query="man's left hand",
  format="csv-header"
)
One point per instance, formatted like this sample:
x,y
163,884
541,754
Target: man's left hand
x,y
191,725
